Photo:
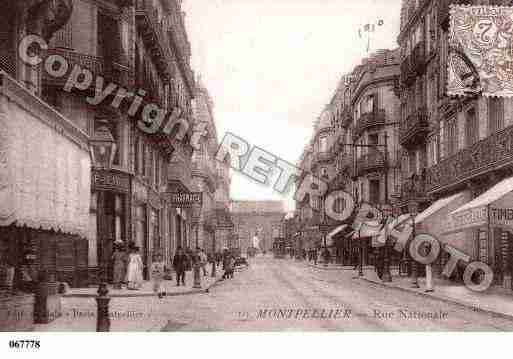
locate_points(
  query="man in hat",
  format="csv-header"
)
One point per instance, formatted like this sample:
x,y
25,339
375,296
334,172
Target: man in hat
x,y
180,265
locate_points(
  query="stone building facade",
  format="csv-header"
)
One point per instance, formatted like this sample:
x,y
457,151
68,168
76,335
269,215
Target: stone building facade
x,y
455,146
256,219
140,47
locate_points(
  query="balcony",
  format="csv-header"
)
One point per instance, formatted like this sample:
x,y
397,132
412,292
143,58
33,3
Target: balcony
x,y
372,162
112,72
154,35
413,189
414,129
92,63
323,157
204,169
413,65
369,120
179,173
492,153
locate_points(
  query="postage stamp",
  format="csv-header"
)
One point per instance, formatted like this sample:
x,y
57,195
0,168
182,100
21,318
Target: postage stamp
x,y
480,53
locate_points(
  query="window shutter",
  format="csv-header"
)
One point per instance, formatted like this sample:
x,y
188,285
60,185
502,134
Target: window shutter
x,y
7,51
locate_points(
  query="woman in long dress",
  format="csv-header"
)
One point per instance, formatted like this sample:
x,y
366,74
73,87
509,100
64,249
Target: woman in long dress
x,y
134,273
119,271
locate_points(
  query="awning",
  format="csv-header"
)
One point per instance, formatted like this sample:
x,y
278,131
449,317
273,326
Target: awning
x,y
494,207
436,206
337,230
366,230
397,222
45,166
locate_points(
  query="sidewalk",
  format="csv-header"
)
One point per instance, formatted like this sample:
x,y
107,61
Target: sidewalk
x,y
332,266
170,288
130,310
495,301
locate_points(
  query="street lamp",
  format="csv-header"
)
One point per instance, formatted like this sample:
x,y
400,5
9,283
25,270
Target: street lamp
x,y
384,155
102,148
413,209
196,214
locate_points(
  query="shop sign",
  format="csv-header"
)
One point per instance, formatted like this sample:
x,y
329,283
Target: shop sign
x,y
110,181
478,217
471,218
184,199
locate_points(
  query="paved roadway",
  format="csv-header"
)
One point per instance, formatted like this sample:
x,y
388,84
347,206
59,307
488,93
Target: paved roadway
x,y
277,295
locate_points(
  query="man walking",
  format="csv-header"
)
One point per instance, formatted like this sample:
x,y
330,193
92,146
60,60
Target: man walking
x,y
180,264
203,261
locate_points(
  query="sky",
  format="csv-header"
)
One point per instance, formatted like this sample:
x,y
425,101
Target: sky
x,y
272,65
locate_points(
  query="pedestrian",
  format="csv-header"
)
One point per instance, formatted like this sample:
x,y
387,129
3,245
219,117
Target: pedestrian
x,y
119,259
203,261
180,264
157,273
134,272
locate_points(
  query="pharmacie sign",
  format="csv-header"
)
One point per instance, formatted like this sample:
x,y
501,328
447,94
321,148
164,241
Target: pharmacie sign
x,y
184,199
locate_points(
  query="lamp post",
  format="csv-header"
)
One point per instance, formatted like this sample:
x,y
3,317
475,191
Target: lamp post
x,y
213,228
384,155
102,148
413,209
196,215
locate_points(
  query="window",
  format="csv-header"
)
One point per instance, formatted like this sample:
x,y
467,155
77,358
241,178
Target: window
x,y
7,39
368,104
323,144
412,162
157,171
451,136
109,38
137,155
374,191
144,156
495,114
471,128
324,172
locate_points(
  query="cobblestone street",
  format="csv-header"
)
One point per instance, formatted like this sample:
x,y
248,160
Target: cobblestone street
x,y
286,295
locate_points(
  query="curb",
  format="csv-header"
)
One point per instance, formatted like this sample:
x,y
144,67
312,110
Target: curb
x,y
442,299
330,268
137,295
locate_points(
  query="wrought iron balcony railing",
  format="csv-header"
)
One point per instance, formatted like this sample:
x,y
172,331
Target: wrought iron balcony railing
x,y
154,35
371,162
202,168
413,130
485,156
368,120
413,65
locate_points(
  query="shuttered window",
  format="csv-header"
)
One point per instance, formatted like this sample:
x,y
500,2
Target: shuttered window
x,y
495,114
471,128
7,51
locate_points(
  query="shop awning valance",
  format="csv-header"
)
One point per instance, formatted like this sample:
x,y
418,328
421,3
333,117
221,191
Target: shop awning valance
x,y
367,230
437,206
493,207
397,222
45,167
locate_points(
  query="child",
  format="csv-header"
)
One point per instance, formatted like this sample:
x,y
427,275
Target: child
x,y
157,274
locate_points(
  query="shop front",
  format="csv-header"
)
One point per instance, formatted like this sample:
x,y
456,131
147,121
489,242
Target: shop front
x,y
45,181
110,213
485,224
148,213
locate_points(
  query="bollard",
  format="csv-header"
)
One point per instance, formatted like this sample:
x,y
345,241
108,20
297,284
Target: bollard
x,y
197,276
102,303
